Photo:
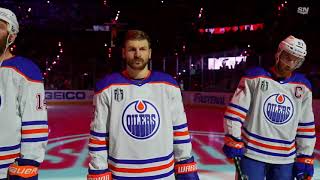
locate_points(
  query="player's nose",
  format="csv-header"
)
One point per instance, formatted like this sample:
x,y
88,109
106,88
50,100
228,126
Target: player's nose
x,y
137,53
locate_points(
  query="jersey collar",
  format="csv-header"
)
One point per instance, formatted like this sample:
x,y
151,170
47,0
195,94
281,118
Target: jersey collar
x,y
137,82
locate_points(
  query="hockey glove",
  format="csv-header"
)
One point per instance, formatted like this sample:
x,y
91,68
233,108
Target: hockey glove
x,y
303,167
186,170
233,147
99,175
23,169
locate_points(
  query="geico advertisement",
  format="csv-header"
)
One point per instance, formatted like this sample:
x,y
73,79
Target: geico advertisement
x,y
68,95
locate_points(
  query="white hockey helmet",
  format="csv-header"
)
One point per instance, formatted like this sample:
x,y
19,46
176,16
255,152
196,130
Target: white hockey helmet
x,y
9,17
294,46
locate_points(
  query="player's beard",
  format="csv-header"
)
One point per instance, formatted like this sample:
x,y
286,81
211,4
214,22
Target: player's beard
x,y
137,63
283,69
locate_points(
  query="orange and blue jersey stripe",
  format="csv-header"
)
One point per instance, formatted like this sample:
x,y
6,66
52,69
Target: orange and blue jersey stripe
x,y
98,141
154,168
181,134
236,113
34,131
306,130
8,154
268,146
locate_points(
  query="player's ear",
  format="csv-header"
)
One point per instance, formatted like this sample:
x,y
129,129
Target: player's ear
x,y
150,50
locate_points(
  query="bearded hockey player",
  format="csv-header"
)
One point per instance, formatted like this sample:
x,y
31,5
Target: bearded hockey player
x,y
139,129
23,116
269,121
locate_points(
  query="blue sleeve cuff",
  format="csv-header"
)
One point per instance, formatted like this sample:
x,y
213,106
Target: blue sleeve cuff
x,y
90,171
304,156
27,162
190,160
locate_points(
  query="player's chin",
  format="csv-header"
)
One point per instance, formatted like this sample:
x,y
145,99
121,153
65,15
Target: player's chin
x,y
285,69
139,66
289,69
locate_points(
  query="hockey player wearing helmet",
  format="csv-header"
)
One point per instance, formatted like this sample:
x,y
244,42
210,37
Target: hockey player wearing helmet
x,y
269,122
290,56
23,115
9,30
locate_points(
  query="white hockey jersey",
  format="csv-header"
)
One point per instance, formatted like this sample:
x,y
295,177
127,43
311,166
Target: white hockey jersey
x,y
139,128
23,116
274,118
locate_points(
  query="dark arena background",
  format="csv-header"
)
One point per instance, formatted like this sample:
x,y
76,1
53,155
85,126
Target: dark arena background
x,y
206,45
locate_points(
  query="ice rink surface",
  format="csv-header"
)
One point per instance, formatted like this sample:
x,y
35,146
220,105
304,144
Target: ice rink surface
x,y
67,159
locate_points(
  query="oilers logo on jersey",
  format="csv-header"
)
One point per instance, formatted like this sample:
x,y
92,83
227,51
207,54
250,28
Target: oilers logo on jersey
x,y
140,119
278,108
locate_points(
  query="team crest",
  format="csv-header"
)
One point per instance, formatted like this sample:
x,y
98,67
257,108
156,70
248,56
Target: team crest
x,y
278,109
264,85
141,119
118,94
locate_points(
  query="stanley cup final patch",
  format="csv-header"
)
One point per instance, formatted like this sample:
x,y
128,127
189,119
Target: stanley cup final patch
x,y
264,85
118,94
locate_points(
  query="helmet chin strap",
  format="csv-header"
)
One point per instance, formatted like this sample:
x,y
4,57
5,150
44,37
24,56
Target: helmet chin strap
x,y
5,49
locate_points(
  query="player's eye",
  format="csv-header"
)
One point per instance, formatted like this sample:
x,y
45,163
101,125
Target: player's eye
x,y
132,49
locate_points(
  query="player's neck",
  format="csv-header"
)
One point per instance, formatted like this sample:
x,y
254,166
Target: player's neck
x,y
137,74
7,55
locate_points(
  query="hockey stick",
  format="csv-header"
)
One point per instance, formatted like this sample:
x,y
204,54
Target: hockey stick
x,y
238,169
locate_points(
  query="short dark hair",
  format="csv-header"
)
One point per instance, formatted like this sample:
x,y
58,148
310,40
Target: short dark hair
x,y
136,35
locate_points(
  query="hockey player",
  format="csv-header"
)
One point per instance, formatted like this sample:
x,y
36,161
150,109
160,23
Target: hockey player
x,y
23,115
270,120
139,130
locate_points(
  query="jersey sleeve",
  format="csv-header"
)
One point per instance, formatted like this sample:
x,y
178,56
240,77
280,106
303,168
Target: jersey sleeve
x,y
181,142
306,138
99,134
34,126
238,107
